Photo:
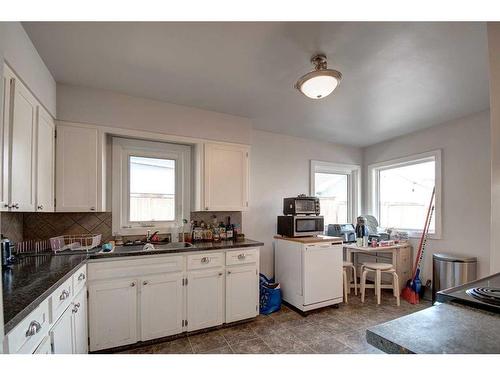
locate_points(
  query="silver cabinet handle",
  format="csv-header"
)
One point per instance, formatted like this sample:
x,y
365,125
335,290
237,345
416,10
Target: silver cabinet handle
x,y
15,205
81,277
75,310
33,328
220,273
229,272
205,260
241,256
145,283
92,208
77,305
132,284
64,295
40,207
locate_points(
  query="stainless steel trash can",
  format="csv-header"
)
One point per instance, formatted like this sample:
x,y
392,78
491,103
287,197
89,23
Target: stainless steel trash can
x,y
450,270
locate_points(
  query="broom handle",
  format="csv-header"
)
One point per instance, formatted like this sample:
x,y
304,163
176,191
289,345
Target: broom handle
x,y
427,222
419,263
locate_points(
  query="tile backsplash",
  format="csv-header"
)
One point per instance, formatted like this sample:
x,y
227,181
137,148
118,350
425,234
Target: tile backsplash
x,y
19,226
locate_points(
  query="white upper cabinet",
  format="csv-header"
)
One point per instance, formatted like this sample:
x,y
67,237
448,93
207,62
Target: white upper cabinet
x,y
27,150
22,178
45,160
8,81
79,169
226,171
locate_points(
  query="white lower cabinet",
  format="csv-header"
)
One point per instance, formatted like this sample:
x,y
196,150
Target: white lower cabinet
x,y
145,298
205,299
161,305
113,313
69,335
241,292
44,347
80,323
61,334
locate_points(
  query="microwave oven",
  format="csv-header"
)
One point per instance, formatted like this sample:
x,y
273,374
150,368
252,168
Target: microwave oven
x,y
301,205
300,226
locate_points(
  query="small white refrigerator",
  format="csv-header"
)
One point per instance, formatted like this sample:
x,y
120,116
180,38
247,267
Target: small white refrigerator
x,y
309,271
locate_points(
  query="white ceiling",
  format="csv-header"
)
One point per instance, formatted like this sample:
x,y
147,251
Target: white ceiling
x,y
397,77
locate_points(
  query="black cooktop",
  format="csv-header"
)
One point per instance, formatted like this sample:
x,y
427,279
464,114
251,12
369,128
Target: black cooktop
x,y
482,294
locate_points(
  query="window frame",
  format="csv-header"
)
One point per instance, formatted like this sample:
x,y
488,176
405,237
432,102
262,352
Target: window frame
x,y
122,150
353,173
374,187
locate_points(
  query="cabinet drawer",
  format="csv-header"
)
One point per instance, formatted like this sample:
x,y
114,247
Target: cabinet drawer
x,y
79,279
206,260
112,269
28,334
60,299
241,256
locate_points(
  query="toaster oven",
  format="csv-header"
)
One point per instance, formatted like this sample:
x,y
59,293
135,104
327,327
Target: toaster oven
x,y
301,205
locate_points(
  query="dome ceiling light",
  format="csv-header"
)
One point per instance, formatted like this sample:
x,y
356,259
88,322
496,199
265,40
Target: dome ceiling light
x,y
321,82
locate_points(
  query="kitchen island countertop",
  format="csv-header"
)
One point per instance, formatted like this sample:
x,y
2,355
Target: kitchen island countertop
x,y
440,329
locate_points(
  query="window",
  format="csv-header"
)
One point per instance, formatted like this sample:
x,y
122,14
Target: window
x,y
152,189
151,185
402,189
337,187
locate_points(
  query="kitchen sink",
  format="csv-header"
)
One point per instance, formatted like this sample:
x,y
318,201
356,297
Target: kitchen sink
x,y
167,246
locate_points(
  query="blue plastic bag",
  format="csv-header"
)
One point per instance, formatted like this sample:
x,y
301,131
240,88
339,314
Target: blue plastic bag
x,y
270,295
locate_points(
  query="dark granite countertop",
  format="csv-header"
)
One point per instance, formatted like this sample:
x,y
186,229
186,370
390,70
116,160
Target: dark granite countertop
x,y
32,279
122,251
443,328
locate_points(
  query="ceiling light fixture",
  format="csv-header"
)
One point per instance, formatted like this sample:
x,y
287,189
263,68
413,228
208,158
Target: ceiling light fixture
x,y
321,82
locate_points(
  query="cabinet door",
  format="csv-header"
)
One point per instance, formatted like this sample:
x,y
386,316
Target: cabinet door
x,y
8,81
78,182
61,334
80,330
45,153
44,347
205,299
112,313
226,177
22,179
242,288
161,305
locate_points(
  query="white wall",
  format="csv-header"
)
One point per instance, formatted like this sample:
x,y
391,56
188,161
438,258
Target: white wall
x,y
279,167
16,48
108,108
494,54
465,184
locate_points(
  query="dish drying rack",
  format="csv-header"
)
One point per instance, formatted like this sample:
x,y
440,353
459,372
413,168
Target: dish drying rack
x,y
82,242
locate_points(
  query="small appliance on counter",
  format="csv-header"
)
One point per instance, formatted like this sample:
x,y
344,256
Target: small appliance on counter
x,y
7,257
301,205
300,226
345,231
301,217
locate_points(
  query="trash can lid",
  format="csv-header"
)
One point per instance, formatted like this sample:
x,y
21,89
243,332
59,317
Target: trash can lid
x,y
454,258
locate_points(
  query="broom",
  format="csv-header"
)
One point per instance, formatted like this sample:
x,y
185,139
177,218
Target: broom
x,y
413,286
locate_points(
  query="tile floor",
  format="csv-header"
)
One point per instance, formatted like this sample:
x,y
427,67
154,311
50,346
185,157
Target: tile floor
x,y
327,330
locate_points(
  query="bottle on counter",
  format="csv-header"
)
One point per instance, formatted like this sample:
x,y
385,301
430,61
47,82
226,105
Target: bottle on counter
x,y
222,231
229,229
